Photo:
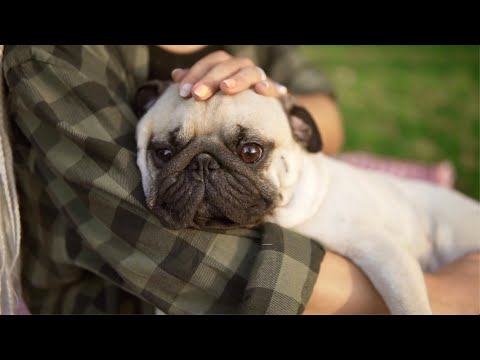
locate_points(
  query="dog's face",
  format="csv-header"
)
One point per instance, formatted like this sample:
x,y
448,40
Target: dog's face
x,y
225,162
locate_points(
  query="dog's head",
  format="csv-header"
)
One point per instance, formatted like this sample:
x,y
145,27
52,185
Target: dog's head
x,y
225,162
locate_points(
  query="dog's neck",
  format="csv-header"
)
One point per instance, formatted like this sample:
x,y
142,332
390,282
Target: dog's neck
x,y
303,205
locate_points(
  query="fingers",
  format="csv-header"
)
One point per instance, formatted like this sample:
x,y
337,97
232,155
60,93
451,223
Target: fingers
x,y
270,88
178,74
201,67
221,71
243,79
210,82
266,88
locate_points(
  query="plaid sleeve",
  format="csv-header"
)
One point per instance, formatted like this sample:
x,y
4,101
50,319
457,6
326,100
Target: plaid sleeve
x,y
89,242
286,65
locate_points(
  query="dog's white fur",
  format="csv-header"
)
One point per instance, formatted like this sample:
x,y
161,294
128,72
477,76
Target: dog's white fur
x,y
391,227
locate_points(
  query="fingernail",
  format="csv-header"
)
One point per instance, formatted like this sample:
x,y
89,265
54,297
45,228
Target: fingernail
x,y
201,91
230,83
263,85
185,90
281,89
175,71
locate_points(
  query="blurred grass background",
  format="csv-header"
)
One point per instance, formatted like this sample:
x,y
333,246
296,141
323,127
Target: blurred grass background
x,y
412,102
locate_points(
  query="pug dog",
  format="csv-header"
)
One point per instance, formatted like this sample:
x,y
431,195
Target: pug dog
x,y
237,161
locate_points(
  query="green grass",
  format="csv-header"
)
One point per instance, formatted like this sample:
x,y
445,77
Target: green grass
x,y
412,102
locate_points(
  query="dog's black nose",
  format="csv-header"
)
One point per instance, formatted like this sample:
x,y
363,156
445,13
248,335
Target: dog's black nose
x,y
202,164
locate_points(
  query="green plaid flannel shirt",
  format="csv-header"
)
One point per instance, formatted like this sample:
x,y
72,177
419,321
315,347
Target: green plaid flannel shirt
x,y
89,243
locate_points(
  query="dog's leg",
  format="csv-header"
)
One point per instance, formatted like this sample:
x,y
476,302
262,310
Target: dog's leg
x,y
394,272
456,227
454,217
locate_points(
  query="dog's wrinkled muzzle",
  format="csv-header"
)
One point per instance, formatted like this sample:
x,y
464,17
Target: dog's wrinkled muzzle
x,y
207,186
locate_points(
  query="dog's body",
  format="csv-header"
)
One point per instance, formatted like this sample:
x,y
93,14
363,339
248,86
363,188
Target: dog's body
x,y
391,227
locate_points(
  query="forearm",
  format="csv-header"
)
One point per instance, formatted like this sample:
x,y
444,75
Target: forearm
x,y
328,119
455,288
342,288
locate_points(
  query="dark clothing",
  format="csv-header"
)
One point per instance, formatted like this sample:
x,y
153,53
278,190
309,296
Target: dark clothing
x,y
90,245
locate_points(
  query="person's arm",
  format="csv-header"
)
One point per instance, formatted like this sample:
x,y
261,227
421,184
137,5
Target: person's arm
x,y
455,288
327,116
86,230
342,288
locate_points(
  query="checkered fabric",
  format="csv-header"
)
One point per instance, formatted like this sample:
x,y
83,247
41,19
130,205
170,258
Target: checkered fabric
x,y
89,243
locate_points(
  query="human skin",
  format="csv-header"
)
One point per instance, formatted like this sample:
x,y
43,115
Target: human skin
x,y
341,287
219,71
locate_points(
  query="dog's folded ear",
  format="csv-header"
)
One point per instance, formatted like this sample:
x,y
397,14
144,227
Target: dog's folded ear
x,y
304,129
147,95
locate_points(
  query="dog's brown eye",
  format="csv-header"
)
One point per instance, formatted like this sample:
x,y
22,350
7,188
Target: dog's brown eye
x,y
250,152
164,154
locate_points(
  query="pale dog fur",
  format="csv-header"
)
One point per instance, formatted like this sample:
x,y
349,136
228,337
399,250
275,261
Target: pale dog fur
x,y
391,227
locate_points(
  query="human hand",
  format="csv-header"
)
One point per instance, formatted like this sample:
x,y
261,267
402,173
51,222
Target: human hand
x,y
221,71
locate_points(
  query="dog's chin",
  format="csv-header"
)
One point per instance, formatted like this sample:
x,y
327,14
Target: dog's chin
x,y
205,217
209,217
